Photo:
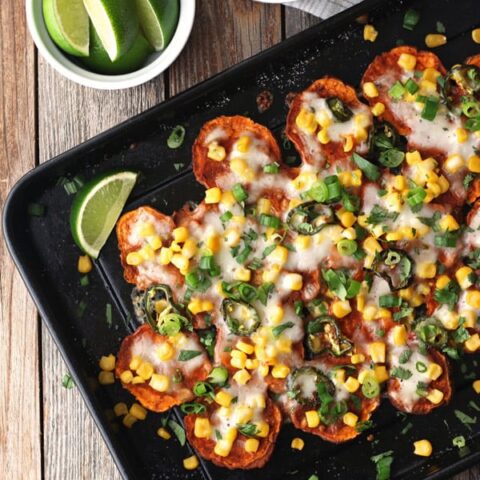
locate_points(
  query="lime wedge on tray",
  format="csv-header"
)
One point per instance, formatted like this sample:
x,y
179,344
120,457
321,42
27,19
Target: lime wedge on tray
x,y
99,61
158,19
116,23
96,208
68,25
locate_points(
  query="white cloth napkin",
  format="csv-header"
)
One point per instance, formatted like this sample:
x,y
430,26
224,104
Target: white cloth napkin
x,y
322,8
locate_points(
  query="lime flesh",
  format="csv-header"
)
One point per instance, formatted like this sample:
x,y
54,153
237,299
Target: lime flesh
x,y
158,19
68,25
96,209
99,61
116,24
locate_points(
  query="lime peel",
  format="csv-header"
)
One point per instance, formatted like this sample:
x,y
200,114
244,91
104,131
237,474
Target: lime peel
x,y
97,207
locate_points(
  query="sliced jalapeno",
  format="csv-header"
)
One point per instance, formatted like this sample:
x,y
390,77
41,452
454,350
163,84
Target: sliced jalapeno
x,y
303,385
340,111
324,335
161,312
430,331
396,267
240,317
310,217
465,78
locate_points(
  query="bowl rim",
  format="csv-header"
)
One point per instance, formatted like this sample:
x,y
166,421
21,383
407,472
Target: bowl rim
x,y
63,65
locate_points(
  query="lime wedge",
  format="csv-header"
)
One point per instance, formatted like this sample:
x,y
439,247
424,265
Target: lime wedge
x,y
68,25
99,61
96,209
116,23
158,19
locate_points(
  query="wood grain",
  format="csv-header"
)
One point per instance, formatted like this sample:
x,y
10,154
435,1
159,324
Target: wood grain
x,y
19,375
68,115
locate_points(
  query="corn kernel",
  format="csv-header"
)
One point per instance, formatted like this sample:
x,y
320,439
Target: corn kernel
x,y
473,164
347,219
433,40
378,109
435,396
293,281
323,137
252,363
351,384
341,308
181,262
180,234
243,143
222,448
85,264
163,433
138,411
369,33
448,223
134,259
363,374
369,312
357,358
423,448
350,419
251,445
377,352
399,335
107,363
370,90
473,298
263,370
297,444
470,318
426,270
120,409
473,343
371,245
434,370
241,168
159,382
137,380
145,370
407,61
476,383
231,433
129,420
126,376
106,378
313,420
190,463
413,158
348,143
381,373
216,152
464,277
279,255
223,398
213,195
306,121
264,205
476,35
135,362
263,428
323,118
242,377
280,371
202,428
302,242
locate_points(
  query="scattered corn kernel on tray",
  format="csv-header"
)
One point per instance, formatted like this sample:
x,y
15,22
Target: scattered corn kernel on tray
x,y
90,318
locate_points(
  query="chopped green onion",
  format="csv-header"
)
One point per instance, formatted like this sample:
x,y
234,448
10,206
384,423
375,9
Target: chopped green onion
x,y
410,19
334,188
186,355
448,240
347,247
371,171
471,108
415,198
36,210
421,367
243,255
193,407
473,124
176,138
279,329
459,441
270,221
178,431
218,376
239,193
411,86
271,168
225,217
440,27
67,381
351,203
108,314
389,301
84,281
370,387
430,108
397,90
318,192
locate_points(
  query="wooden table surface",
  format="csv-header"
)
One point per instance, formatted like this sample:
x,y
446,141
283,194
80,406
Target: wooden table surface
x,y
45,430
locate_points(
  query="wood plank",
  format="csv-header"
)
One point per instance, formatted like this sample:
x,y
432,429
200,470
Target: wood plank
x,y
19,377
296,21
224,34
70,114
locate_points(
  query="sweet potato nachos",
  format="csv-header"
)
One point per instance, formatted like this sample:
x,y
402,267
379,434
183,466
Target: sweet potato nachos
x,y
327,286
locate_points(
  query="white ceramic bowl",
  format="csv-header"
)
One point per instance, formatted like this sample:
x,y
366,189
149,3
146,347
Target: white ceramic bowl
x,y
156,64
